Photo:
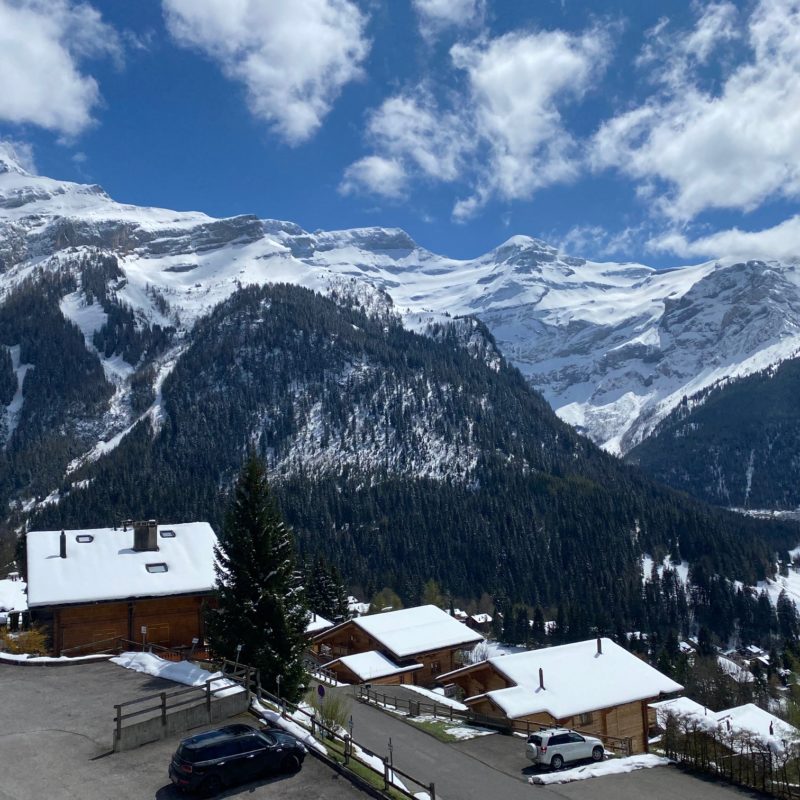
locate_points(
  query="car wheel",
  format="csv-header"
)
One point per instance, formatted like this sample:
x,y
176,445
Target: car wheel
x,y
211,786
290,764
597,753
556,762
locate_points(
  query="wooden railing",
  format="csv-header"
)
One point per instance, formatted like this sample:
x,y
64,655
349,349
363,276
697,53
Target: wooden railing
x,y
118,644
349,746
415,708
164,702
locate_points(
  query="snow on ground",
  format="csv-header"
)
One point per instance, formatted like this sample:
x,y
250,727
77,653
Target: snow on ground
x,y
29,659
681,569
733,670
12,595
290,726
614,766
14,408
437,695
184,672
461,732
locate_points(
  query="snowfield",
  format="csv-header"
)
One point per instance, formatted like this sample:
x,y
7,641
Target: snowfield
x,y
613,347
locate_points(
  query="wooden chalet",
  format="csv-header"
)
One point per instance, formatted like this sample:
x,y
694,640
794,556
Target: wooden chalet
x,y
594,686
89,586
413,645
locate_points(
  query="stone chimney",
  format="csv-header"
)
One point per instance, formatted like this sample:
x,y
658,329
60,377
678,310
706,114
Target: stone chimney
x,y
145,535
62,545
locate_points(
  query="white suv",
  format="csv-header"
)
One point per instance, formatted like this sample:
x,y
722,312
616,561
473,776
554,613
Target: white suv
x,y
556,746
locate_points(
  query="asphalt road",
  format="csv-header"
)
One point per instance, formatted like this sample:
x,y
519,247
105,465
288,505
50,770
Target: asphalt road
x,y
494,767
55,742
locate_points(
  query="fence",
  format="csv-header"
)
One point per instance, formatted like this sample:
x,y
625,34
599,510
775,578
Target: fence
x,y
415,708
163,714
313,666
118,644
771,766
349,748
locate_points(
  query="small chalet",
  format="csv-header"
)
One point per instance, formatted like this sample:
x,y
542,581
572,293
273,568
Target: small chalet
x,y
89,586
594,686
412,645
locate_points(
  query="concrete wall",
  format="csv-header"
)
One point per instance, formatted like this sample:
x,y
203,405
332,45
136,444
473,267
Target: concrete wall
x,y
180,720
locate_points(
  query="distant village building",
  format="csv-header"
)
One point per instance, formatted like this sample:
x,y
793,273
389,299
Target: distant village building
x,y
480,622
594,686
317,623
412,645
140,581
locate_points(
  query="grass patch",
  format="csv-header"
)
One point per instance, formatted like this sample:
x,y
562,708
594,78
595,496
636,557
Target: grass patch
x,y
436,729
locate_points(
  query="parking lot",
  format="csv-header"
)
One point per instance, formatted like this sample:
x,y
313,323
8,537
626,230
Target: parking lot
x,y
56,734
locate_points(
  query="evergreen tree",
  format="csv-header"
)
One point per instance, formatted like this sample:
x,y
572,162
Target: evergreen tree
x,y
325,593
259,601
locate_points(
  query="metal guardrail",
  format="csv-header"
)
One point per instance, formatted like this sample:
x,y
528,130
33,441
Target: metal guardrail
x,y
617,745
348,745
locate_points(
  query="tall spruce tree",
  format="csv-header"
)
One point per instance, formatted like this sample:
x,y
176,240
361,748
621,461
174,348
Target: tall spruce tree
x,y
259,600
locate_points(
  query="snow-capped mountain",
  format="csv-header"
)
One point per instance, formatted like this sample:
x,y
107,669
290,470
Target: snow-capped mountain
x,y
613,347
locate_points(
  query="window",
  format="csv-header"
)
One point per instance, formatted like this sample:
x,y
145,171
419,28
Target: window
x,y
436,667
84,538
574,737
268,739
167,534
586,719
160,567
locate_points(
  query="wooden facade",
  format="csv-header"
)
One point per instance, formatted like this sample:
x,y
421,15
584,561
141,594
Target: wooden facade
x,y
348,639
171,621
625,721
346,675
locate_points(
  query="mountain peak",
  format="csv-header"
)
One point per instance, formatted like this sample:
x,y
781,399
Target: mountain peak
x,y
12,159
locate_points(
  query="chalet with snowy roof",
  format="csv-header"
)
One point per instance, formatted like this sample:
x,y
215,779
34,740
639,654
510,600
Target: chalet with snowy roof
x,y
594,686
412,645
89,586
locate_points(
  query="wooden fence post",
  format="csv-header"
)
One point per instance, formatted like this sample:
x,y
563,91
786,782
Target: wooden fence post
x,y
432,791
118,731
208,699
386,772
164,709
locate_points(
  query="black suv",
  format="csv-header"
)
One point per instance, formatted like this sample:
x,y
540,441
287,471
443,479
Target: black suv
x,y
210,761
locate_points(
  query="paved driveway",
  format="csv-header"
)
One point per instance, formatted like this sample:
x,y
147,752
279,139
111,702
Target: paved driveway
x,y
55,741
495,767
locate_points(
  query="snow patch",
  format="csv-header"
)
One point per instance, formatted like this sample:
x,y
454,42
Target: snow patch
x,y
614,766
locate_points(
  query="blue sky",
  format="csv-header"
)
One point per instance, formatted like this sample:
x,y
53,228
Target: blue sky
x,y
665,133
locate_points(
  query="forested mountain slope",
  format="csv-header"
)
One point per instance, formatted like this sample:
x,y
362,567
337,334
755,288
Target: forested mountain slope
x,y
404,457
737,444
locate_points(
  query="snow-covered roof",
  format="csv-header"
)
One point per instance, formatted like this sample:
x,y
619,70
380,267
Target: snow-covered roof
x,y
12,595
317,623
355,606
371,665
733,670
101,564
681,707
750,718
481,619
416,630
577,679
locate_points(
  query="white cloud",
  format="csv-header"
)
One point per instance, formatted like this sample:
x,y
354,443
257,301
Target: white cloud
x,y
42,45
781,241
593,241
436,16
375,175
503,133
410,127
730,146
293,56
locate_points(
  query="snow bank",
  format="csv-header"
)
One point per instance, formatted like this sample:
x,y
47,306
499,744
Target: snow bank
x,y
437,695
26,658
300,733
614,766
184,672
